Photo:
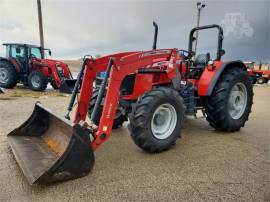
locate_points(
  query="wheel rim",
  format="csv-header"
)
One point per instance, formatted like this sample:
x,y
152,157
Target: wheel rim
x,y
237,100
3,75
163,121
35,80
260,80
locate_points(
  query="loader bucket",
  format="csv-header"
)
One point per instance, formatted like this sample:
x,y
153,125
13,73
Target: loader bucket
x,y
51,149
67,85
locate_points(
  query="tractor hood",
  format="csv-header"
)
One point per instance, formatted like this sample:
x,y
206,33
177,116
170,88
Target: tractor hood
x,y
49,62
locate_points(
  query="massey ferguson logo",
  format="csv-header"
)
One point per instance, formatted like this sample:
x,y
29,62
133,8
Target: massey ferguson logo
x,y
108,115
156,52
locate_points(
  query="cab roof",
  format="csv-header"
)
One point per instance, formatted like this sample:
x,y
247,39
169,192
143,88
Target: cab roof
x,y
23,44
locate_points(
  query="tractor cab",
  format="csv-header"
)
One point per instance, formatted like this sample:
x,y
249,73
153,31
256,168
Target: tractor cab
x,y
24,54
250,65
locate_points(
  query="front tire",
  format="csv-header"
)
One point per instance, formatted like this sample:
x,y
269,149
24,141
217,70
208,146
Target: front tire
x,y
156,119
8,75
119,117
37,81
260,80
229,106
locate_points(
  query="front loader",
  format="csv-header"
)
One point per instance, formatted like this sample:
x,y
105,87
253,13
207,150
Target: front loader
x,y
154,89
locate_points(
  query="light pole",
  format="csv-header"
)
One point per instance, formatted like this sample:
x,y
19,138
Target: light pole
x,y
41,38
199,7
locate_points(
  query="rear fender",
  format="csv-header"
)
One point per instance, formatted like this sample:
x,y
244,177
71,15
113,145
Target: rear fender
x,y
209,78
14,62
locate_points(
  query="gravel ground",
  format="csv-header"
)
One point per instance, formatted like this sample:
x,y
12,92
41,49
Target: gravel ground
x,y
205,165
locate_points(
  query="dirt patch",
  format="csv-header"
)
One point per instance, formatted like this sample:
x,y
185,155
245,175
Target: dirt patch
x,y
21,91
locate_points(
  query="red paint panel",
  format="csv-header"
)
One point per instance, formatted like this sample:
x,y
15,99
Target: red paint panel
x,y
206,79
143,83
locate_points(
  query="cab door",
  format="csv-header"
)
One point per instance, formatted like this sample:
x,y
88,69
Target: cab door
x,y
19,53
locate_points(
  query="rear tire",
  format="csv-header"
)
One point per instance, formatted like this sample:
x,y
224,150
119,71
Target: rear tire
x,y
119,118
229,106
156,120
8,75
37,81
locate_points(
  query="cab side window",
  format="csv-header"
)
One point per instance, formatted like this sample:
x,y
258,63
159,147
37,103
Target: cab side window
x,y
18,52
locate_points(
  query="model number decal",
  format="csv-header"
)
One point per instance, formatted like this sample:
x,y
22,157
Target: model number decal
x,y
156,52
108,115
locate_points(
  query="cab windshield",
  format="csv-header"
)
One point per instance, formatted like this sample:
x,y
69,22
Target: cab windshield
x,y
35,52
250,65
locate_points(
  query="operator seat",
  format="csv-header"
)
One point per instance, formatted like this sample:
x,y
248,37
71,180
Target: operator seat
x,y
20,58
202,60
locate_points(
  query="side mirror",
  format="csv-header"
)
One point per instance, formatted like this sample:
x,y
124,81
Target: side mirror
x,y
18,50
50,52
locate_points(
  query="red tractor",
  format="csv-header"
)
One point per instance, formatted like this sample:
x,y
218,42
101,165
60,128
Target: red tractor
x,y
154,89
257,75
26,64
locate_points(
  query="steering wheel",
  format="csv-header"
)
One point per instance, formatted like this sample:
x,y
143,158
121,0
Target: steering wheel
x,y
33,56
184,53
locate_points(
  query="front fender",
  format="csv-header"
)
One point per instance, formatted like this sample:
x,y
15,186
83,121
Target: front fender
x,y
209,78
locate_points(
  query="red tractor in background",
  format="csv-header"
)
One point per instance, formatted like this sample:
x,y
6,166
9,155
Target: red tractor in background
x,y
154,89
26,64
259,76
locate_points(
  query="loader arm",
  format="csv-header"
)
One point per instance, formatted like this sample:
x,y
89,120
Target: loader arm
x,y
123,65
93,66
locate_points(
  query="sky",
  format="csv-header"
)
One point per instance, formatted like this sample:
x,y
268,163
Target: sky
x,y
74,28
